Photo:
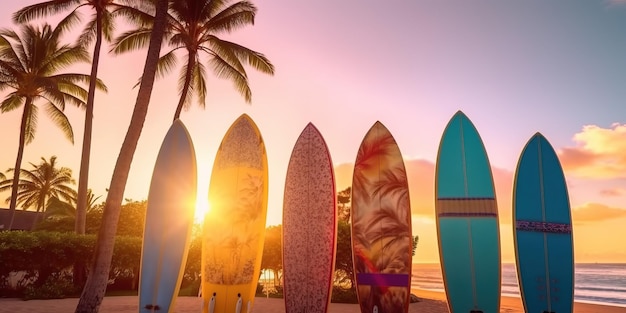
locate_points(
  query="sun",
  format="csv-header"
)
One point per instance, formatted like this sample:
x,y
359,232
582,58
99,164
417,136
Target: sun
x,y
202,208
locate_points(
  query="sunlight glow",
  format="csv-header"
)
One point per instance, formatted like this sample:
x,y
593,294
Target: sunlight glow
x,y
202,209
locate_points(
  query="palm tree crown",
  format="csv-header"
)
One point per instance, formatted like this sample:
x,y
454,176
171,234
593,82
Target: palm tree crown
x,y
28,65
44,181
194,26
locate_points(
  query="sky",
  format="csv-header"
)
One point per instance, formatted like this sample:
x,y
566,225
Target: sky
x,y
514,67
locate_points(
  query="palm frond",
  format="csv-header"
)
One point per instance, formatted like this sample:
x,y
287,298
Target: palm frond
x,y
199,83
73,94
216,6
11,102
182,78
231,18
179,40
63,58
31,123
67,23
108,26
89,33
61,121
223,69
79,78
251,57
43,9
166,63
137,13
131,40
13,53
53,96
219,47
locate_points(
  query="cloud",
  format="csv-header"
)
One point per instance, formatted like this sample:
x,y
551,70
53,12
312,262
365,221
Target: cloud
x,y
613,192
615,2
599,153
596,212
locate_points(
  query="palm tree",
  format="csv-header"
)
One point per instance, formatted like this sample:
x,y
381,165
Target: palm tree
x,y
60,209
101,25
43,182
194,26
96,284
29,65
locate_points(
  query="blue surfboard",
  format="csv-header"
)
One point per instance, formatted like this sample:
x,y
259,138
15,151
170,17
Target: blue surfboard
x,y
467,220
169,217
543,230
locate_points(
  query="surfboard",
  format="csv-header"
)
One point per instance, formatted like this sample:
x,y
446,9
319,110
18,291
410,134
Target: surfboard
x,y
234,228
309,225
169,217
467,220
381,224
543,230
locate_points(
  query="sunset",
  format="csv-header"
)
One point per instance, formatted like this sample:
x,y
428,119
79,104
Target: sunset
x,y
514,68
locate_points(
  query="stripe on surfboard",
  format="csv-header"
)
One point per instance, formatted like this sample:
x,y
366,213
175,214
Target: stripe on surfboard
x,y
467,207
379,279
544,227
466,198
468,214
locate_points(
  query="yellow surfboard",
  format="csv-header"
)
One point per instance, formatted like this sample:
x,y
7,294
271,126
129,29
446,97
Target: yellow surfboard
x,y
234,228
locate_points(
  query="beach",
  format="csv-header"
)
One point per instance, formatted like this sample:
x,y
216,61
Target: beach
x,y
431,302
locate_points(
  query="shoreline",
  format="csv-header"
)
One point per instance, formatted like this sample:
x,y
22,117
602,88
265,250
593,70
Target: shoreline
x,y
417,291
512,304
430,301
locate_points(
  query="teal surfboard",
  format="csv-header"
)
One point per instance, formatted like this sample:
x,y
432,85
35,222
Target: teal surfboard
x,y
467,220
543,230
169,217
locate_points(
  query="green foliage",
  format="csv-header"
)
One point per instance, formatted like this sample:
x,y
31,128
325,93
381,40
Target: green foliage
x,y
132,219
131,223
47,258
343,204
190,284
343,295
57,286
66,224
272,252
344,269
416,239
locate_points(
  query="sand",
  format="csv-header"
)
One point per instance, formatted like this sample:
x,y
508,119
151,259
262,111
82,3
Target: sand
x,y
432,302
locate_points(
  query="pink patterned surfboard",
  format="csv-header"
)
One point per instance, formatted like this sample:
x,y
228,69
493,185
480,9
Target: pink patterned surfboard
x,y
381,225
309,225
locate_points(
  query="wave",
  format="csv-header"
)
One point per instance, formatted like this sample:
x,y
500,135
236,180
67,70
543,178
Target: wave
x,y
594,283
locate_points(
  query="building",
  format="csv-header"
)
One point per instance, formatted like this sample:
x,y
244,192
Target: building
x,y
23,219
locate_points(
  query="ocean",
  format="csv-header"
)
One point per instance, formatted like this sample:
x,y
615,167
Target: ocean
x,y
599,283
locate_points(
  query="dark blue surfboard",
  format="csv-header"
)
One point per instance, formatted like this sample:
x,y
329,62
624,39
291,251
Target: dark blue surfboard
x,y
543,230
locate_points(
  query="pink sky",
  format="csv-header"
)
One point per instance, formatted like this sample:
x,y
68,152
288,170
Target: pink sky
x,y
515,69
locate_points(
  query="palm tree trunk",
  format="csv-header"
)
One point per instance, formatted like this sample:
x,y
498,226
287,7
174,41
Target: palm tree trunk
x,y
40,212
96,284
191,62
83,178
18,161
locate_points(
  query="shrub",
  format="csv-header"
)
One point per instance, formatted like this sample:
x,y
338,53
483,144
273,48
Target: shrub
x,y
43,257
343,295
56,286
